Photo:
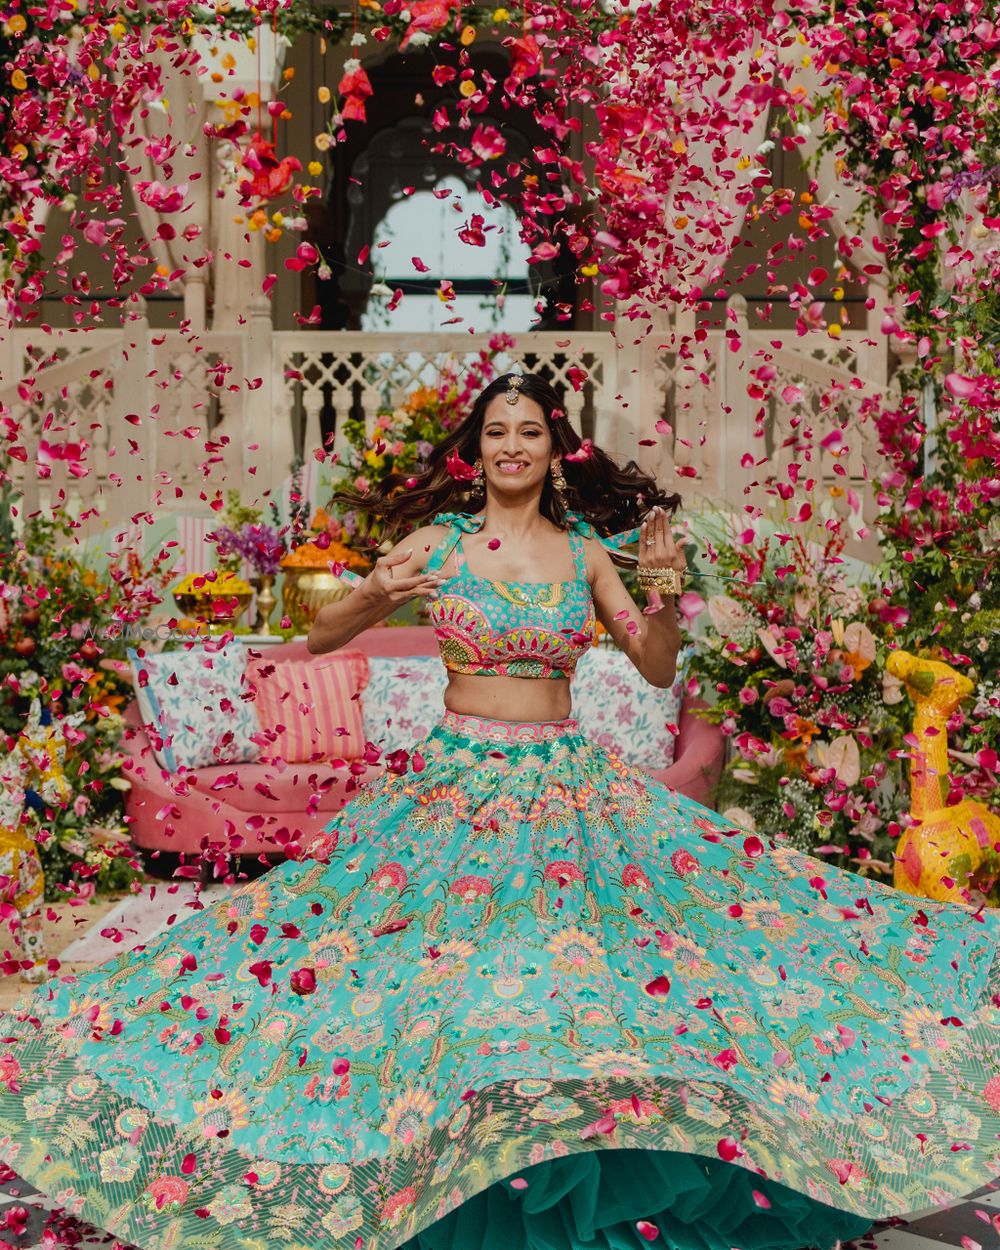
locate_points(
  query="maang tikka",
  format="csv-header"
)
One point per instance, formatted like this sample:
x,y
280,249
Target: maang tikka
x,y
514,383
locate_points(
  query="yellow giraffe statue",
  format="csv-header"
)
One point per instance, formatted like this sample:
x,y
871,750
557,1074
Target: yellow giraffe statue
x,y
949,854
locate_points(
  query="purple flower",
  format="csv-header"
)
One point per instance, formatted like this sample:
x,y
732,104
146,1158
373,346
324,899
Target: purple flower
x,y
259,544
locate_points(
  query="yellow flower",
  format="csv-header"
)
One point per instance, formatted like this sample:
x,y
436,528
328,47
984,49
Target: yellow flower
x,y
118,31
323,141
501,15
680,222
835,330
289,73
19,152
679,146
17,24
315,169
743,162
323,95
837,292
18,80
468,88
588,271
468,35
576,952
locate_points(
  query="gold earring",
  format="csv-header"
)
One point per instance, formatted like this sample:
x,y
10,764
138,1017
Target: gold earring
x,y
480,479
559,483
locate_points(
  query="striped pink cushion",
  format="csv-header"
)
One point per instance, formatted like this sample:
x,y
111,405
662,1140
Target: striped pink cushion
x,y
310,710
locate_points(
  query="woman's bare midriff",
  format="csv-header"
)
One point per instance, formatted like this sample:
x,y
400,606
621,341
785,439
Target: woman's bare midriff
x,y
508,698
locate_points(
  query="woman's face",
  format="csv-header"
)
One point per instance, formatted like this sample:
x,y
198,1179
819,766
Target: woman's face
x,y
515,446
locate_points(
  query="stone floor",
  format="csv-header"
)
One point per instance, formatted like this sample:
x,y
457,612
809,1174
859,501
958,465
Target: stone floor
x,y
27,1221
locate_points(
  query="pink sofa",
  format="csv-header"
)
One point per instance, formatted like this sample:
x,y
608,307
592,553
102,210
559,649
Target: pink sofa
x,y
276,811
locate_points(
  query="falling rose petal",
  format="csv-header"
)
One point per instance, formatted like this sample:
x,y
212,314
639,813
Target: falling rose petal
x,y
459,470
649,1231
761,1200
753,847
961,386
728,1149
604,1127
519,1183
659,987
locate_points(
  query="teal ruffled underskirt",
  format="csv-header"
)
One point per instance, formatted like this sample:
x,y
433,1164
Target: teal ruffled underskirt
x,y
595,1201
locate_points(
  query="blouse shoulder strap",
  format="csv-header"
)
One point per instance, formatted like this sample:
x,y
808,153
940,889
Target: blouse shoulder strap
x,y
611,542
458,524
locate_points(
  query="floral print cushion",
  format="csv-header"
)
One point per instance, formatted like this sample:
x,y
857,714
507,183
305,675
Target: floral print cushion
x,y
621,712
404,699
192,701
615,707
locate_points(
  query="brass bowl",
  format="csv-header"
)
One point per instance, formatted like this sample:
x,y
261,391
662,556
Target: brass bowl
x,y
219,611
307,590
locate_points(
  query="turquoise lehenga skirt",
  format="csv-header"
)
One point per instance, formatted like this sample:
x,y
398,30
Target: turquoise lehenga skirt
x,y
519,998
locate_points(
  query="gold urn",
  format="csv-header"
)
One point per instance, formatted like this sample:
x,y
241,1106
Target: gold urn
x,y
306,590
217,601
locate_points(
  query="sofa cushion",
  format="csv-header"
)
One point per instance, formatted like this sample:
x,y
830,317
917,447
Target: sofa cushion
x,y
621,712
193,699
310,710
404,699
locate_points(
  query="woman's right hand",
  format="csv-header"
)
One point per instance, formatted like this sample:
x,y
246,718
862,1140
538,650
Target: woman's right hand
x,y
386,586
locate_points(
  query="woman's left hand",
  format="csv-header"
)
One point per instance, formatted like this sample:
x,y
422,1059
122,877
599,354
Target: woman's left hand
x,y
657,549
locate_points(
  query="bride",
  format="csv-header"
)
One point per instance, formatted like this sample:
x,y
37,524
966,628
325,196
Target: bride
x,y
518,996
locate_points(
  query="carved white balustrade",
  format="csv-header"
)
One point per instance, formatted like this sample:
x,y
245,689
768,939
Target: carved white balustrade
x,y
172,420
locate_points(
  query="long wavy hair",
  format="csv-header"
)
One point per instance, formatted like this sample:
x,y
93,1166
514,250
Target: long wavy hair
x,y
610,496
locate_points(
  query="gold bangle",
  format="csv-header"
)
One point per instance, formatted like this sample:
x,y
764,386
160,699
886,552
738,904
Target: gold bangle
x,y
663,581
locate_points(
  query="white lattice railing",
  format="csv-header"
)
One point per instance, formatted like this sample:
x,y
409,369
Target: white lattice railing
x,y
338,375
170,420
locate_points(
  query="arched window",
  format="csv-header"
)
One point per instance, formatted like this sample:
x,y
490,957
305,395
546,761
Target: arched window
x,y
489,278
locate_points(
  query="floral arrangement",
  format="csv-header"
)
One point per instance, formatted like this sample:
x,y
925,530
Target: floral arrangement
x,y
256,542
325,546
939,581
62,641
795,676
404,436
218,584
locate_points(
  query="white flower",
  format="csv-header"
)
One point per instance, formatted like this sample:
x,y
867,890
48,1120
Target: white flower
x,y
352,65
892,688
357,39
739,816
804,129
379,288
420,39
765,147
405,15
726,614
